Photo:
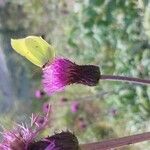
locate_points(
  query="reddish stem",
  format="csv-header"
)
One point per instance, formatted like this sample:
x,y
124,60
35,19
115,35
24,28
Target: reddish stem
x,y
126,79
114,143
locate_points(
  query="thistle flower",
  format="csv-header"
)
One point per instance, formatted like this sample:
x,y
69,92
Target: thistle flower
x,y
22,136
82,123
46,107
60,141
61,72
74,106
39,94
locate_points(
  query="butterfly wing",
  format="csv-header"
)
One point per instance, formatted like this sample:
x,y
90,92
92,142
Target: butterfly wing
x,y
35,49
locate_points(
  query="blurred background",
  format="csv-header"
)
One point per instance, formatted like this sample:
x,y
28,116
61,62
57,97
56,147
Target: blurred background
x,y
113,34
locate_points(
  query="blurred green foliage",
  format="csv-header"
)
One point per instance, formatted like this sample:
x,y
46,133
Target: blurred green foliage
x,y
112,34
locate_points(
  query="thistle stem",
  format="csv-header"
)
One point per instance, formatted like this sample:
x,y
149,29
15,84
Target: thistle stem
x,y
126,79
115,143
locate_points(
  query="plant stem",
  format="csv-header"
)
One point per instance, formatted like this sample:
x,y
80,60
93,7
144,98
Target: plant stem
x,y
126,79
115,143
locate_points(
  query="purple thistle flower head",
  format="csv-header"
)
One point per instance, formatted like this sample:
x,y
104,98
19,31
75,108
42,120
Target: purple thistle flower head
x,y
46,107
22,136
61,72
39,94
75,106
61,141
82,123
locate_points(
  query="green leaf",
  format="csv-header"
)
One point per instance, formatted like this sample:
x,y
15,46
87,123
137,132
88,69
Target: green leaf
x,y
35,49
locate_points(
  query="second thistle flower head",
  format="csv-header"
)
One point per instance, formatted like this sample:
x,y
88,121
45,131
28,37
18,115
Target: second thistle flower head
x,y
22,136
61,72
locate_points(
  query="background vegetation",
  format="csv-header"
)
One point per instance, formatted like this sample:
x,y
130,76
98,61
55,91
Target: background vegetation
x,y
113,34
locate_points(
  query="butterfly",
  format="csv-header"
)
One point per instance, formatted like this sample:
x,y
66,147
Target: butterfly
x,y
35,49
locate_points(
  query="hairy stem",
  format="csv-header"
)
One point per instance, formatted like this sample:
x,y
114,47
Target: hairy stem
x,y
126,79
115,143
